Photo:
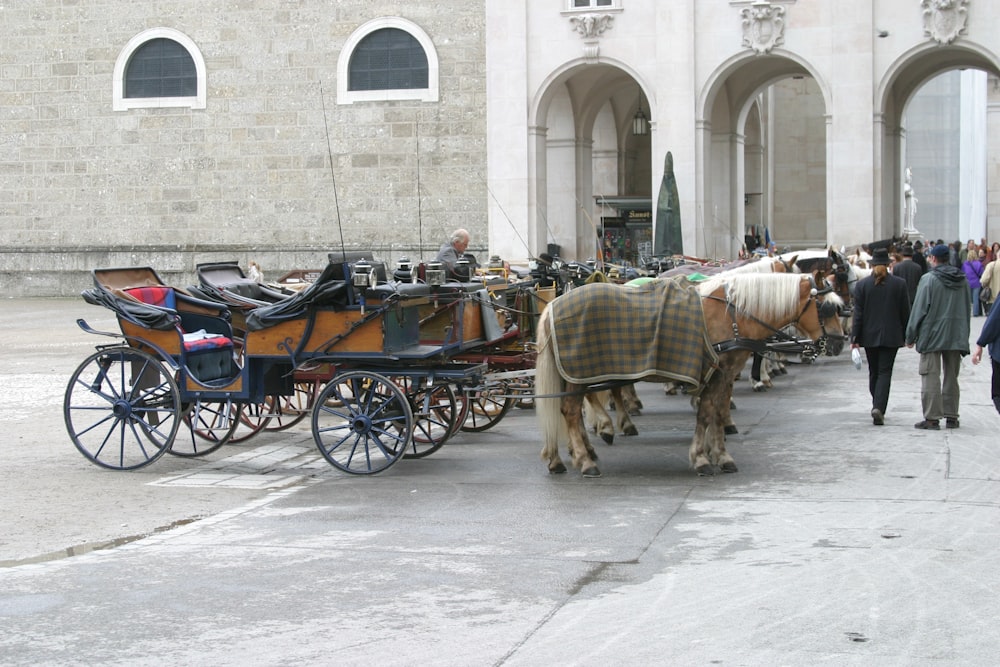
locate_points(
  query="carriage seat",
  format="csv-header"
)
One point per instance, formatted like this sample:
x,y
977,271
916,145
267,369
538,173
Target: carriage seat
x,y
254,291
206,338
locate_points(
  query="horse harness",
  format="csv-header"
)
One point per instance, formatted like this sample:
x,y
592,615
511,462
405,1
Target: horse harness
x,y
780,341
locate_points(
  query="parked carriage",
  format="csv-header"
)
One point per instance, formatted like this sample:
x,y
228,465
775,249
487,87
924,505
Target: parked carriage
x,y
179,373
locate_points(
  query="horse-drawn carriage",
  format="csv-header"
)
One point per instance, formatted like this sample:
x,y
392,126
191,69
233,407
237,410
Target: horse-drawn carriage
x,y
383,361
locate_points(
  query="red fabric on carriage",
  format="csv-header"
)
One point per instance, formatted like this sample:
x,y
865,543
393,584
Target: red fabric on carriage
x,y
164,297
154,295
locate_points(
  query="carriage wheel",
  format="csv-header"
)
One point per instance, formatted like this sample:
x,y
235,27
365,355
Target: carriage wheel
x,y
290,410
122,408
435,417
486,407
210,425
253,418
362,423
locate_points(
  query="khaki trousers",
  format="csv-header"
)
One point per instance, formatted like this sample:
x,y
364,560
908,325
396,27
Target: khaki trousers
x,y
939,395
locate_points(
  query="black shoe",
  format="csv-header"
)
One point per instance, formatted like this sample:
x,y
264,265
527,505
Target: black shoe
x,y
951,423
877,418
928,425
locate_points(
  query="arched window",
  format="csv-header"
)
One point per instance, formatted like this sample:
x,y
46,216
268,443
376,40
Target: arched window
x,y
387,59
159,68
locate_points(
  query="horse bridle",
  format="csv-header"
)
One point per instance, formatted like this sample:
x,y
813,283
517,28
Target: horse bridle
x,y
780,341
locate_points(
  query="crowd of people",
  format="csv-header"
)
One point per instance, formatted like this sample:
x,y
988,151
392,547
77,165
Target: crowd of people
x,y
924,297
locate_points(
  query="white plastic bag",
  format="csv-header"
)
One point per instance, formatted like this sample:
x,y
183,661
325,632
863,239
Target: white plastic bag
x,y
856,357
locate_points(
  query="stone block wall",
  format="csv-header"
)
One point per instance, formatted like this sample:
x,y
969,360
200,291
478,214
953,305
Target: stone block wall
x,y
248,177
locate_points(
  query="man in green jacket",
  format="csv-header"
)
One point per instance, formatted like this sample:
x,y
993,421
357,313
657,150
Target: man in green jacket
x,y
939,327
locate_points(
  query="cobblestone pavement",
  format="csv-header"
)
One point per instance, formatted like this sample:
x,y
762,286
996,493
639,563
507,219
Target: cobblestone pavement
x,y
838,542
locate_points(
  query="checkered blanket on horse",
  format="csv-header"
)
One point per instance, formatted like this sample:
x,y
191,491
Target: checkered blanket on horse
x,y
606,332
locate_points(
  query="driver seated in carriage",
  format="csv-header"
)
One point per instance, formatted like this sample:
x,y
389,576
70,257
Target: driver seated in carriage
x,y
459,264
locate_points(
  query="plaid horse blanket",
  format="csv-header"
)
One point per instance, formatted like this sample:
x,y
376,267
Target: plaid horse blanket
x,y
603,332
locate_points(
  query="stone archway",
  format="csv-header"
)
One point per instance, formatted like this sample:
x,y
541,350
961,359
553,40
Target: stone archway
x,y
584,155
901,83
743,167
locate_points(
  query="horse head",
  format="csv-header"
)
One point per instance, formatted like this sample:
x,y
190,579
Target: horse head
x,y
821,317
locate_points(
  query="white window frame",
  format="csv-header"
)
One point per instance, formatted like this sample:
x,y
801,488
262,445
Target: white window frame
x,y
594,7
121,103
428,94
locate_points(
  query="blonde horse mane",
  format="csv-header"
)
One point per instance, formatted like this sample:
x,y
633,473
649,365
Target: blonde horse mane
x,y
767,295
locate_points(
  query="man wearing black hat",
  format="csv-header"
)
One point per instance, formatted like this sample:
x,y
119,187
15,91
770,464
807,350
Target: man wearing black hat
x,y
918,255
909,271
939,327
881,311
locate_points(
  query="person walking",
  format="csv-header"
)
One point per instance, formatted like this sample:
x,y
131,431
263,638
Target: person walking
x,y
939,328
973,268
990,286
989,337
881,312
909,271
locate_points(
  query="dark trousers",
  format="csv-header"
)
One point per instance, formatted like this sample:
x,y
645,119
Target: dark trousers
x,y
995,388
880,363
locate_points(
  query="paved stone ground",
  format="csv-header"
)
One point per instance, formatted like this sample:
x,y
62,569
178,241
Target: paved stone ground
x,y
838,542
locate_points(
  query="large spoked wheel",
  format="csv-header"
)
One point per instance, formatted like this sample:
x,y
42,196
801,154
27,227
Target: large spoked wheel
x,y
485,408
122,408
435,413
210,425
362,423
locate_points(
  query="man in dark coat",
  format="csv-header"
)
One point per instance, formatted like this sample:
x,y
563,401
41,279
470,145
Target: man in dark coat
x,y
881,311
909,271
919,258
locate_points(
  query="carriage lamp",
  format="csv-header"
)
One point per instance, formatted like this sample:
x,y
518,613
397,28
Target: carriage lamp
x,y
495,265
591,262
404,270
463,269
434,274
363,274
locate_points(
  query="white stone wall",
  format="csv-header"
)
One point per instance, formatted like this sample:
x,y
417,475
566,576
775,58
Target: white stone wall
x,y
249,177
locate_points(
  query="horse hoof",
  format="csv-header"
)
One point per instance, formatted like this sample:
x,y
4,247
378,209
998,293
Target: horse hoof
x,y
557,469
608,438
591,472
631,430
634,412
705,470
730,429
729,466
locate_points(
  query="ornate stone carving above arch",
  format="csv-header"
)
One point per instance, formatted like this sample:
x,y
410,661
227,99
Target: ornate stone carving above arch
x,y
763,26
945,20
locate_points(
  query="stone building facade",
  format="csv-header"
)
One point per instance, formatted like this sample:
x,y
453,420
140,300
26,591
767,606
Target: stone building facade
x,y
244,172
543,122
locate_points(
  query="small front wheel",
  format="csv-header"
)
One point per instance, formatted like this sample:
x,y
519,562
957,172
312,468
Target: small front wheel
x,y
362,423
122,408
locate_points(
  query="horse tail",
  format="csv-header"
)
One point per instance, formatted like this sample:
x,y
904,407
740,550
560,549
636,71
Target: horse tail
x,y
548,381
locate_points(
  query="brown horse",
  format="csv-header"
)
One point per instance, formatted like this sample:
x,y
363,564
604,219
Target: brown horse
x,y
741,311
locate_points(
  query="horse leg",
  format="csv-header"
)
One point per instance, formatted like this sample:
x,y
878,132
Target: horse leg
x,y
632,400
580,449
718,454
757,373
598,417
696,453
625,424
